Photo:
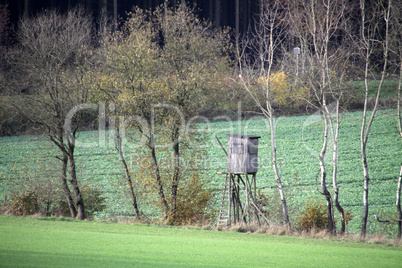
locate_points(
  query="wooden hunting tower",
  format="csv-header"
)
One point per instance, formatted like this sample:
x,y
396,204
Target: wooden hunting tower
x,y
239,191
242,154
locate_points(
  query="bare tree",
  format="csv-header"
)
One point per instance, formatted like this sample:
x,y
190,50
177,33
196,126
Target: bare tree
x,y
52,57
316,24
117,132
129,180
267,40
374,23
399,184
396,50
335,136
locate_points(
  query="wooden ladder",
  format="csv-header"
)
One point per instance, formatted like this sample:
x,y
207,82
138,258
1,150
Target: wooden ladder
x,y
224,212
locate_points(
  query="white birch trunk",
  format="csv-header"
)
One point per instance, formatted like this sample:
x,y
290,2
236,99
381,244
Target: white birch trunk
x,y
276,172
366,125
335,137
399,115
398,204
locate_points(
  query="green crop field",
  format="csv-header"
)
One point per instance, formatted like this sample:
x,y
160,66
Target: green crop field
x,y
52,242
299,140
388,89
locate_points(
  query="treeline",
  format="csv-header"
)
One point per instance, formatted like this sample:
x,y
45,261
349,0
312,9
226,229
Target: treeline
x,y
237,14
162,67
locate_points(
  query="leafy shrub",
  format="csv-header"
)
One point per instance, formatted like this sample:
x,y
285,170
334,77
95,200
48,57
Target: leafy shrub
x,y
280,88
45,196
385,228
348,216
313,217
24,203
33,196
285,93
191,204
93,200
270,204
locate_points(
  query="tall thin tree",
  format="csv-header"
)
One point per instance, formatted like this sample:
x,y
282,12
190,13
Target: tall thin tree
x,y
370,29
267,40
53,58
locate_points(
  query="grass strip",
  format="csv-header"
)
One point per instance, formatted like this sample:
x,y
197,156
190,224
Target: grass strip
x,y
50,242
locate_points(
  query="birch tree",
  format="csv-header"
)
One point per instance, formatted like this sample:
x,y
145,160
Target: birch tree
x,y
396,61
258,66
399,183
374,33
316,24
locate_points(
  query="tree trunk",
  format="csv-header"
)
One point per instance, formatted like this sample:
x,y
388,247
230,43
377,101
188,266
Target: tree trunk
x,y
147,4
237,20
115,13
128,176
211,9
365,129
26,8
363,155
66,190
176,171
398,204
399,115
335,135
59,142
158,177
218,13
268,43
365,191
324,190
79,202
276,172
341,211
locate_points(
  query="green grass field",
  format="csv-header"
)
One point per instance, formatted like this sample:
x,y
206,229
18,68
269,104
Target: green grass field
x,y
298,143
50,242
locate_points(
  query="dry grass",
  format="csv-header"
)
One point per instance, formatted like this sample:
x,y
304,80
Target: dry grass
x,y
312,234
377,239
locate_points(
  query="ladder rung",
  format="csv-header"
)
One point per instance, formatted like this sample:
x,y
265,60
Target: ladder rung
x,y
223,216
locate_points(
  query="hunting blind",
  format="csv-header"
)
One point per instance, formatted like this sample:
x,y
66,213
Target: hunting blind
x,y
242,154
238,204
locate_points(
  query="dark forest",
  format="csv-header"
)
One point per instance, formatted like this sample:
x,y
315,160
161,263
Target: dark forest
x,y
222,12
